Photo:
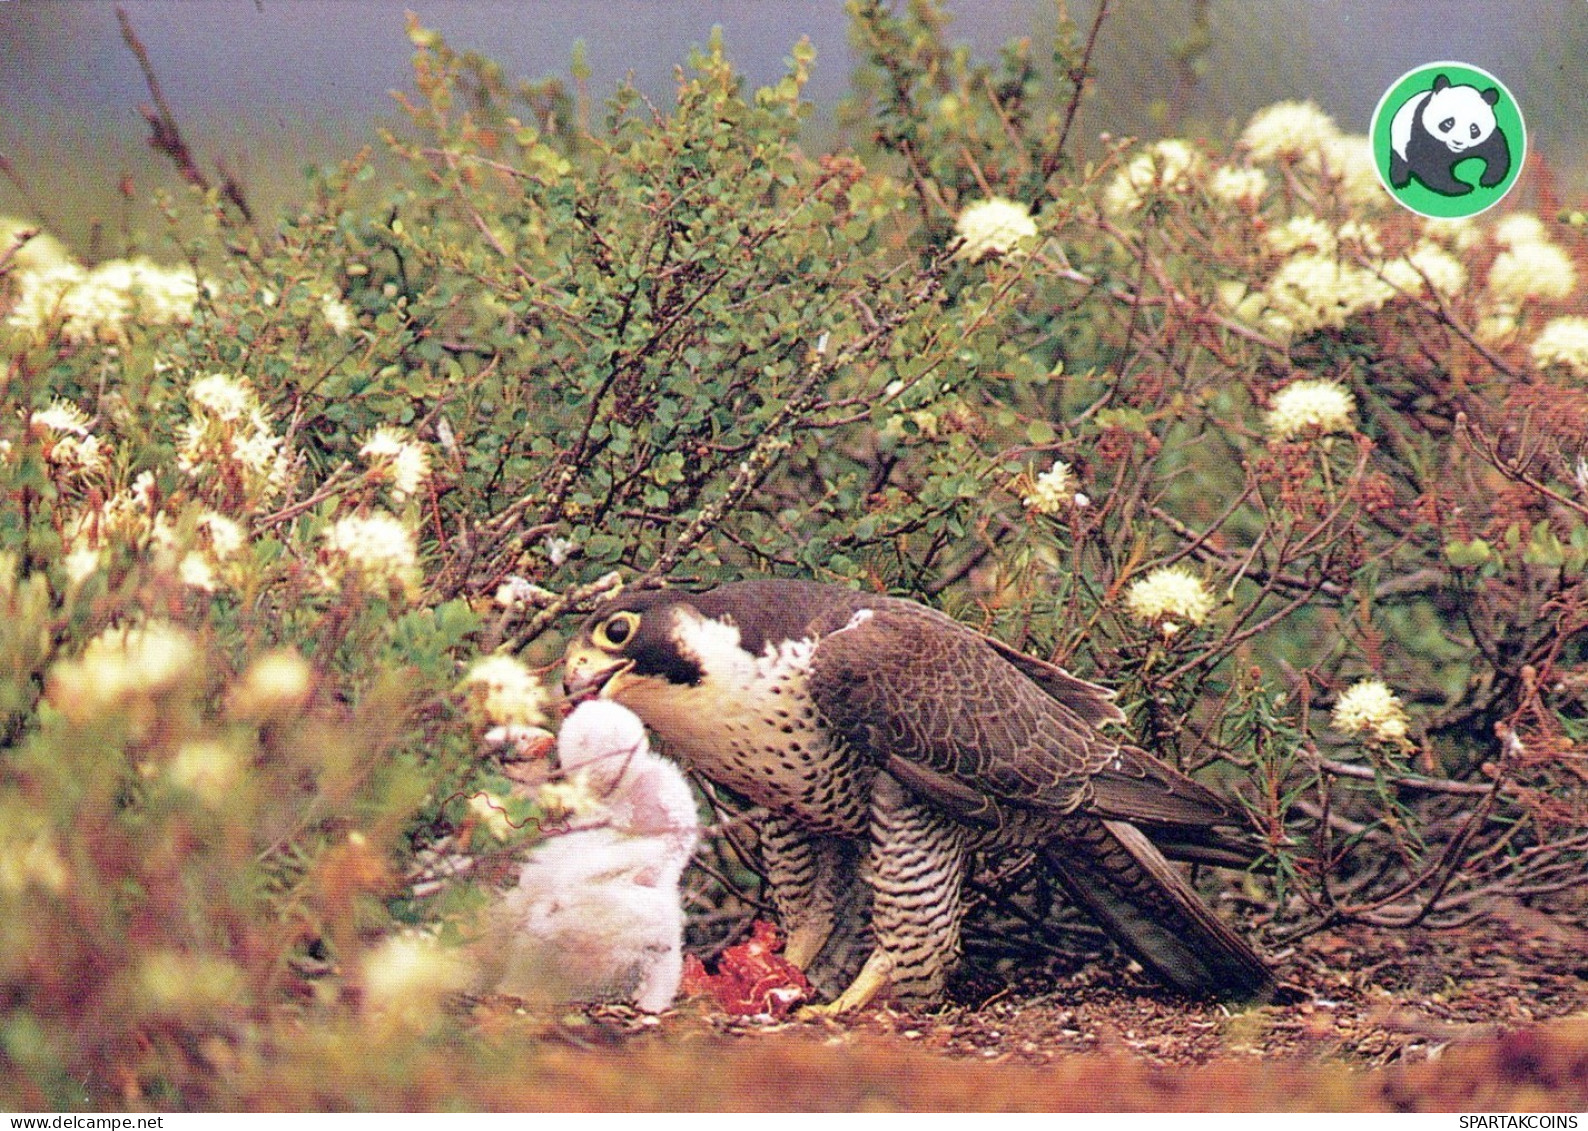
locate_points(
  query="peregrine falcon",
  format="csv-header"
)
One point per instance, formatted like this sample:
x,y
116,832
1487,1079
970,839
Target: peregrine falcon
x,y
890,743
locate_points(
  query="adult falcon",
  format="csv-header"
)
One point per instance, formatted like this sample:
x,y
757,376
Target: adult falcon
x,y
889,742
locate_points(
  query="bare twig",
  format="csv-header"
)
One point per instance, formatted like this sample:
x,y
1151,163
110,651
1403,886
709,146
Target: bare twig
x,y
19,240
34,205
1513,469
1077,77
1413,782
573,599
165,135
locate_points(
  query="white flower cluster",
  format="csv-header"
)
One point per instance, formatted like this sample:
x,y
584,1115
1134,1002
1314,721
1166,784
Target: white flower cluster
x,y
1361,237
1311,408
1331,273
131,516
396,459
1301,134
1563,341
281,680
1169,598
98,305
40,253
31,859
1053,492
1239,185
1371,710
377,550
995,227
221,542
80,460
1164,166
1426,265
121,665
1520,228
1288,131
207,768
236,462
505,692
1303,231
71,449
1346,163
1531,267
1313,291
1324,281
228,445
338,315
405,975
135,517
1458,232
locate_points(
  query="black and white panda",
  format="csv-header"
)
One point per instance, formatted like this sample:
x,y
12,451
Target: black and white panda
x,y
1437,129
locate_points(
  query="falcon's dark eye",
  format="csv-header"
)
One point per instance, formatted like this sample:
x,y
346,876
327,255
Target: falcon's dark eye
x,y
615,631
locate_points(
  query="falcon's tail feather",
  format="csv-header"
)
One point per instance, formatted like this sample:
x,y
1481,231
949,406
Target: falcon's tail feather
x,y
1184,818
1113,871
1221,847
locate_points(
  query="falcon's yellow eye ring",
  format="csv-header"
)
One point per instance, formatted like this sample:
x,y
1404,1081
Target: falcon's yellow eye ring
x,y
616,630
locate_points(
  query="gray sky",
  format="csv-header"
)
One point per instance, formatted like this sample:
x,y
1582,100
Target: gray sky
x,y
275,84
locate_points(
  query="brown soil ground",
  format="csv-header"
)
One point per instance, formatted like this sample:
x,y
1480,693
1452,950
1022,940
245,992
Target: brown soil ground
x,y
1365,1019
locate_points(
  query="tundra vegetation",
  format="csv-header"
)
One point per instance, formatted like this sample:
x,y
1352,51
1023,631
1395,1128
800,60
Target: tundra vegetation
x,y
297,512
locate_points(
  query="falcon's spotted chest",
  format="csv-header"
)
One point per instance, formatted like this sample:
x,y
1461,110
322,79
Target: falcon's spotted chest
x,y
874,728
748,723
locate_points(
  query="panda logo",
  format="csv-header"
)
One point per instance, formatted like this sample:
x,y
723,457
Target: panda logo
x,y
1435,130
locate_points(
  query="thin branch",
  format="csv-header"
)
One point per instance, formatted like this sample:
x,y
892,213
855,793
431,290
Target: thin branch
x,y
165,135
1077,77
570,600
1512,469
34,205
1406,781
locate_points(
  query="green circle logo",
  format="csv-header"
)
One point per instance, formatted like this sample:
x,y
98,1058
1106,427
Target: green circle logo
x,y
1448,140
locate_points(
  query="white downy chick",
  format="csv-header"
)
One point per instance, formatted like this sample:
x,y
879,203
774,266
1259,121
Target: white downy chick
x,y
596,914
646,795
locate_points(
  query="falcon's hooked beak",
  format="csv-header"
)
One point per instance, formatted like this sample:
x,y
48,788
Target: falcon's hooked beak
x,y
589,674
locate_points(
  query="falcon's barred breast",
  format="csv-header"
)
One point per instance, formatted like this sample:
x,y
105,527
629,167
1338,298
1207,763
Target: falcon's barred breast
x,y
889,742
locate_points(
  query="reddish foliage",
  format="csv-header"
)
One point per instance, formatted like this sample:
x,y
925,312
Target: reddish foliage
x,y
751,978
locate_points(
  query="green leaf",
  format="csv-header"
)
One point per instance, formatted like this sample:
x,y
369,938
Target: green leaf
x,y
604,548
1125,419
1468,555
1544,548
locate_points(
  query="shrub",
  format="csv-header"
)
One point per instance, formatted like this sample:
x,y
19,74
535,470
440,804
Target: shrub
x,y
1303,477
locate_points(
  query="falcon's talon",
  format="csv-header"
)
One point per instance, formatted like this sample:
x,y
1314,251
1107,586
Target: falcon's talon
x,y
874,977
823,1011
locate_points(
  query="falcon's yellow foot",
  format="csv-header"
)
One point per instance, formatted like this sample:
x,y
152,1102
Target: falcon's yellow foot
x,y
874,977
804,943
